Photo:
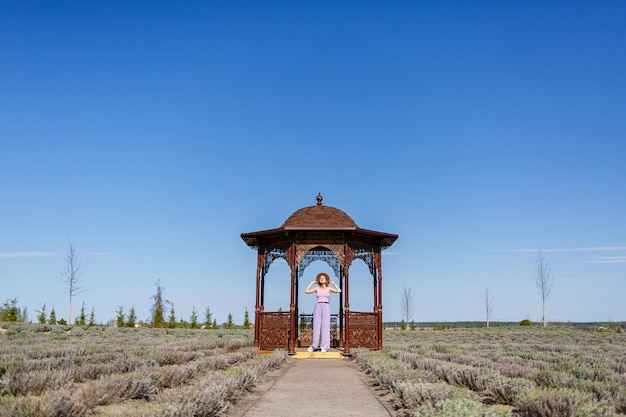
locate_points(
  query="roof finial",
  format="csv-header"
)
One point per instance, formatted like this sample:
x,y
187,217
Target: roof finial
x,y
319,199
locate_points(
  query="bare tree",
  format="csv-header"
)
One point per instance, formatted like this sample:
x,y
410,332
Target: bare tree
x,y
72,276
407,304
488,304
543,282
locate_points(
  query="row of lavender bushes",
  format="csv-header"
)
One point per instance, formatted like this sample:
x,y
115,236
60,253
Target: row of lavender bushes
x,y
48,371
506,371
67,371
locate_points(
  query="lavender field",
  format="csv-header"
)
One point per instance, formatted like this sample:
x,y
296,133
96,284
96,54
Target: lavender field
x,y
84,371
501,371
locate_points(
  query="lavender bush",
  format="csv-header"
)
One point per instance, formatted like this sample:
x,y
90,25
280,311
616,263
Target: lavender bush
x,y
531,372
75,371
493,372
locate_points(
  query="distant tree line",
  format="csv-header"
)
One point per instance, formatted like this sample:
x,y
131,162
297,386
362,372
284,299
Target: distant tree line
x,y
73,277
10,312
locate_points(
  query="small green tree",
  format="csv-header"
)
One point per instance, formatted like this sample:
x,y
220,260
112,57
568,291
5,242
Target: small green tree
x,y
208,317
9,311
132,318
181,324
214,325
42,316
120,316
229,322
158,306
246,319
172,317
193,321
92,317
53,317
22,315
81,320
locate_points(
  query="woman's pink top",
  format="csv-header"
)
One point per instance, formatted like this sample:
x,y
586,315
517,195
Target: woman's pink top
x,y
323,296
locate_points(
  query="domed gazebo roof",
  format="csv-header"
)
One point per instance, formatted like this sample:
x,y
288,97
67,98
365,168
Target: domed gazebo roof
x,y
319,217
316,219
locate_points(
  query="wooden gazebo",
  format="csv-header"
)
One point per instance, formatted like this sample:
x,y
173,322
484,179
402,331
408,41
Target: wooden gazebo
x,y
319,233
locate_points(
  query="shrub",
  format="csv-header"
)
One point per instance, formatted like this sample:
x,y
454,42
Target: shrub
x,y
594,410
506,390
619,401
459,407
241,378
468,376
547,379
552,403
210,401
414,394
525,322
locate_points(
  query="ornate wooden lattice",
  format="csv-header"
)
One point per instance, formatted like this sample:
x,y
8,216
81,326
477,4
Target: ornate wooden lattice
x,y
363,330
274,330
270,257
319,254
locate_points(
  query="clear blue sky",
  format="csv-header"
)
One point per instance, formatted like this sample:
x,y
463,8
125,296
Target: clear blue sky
x,y
152,134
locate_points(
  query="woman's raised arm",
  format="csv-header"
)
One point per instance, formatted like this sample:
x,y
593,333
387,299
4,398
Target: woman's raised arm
x,y
310,290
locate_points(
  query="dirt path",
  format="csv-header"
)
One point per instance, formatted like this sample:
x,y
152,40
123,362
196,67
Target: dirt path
x,y
310,388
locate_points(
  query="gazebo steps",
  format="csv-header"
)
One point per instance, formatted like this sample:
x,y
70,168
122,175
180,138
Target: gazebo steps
x,y
318,355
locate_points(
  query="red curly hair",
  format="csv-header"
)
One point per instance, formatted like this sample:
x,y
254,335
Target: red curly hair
x,y
322,274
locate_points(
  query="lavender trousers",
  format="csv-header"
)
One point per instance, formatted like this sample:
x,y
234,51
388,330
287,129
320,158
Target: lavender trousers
x,y
321,326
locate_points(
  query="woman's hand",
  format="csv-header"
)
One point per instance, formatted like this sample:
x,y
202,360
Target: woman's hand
x,y
336,289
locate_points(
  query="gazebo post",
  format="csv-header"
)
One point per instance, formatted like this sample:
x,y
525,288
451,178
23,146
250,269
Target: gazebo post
x,y
258,304
342,333
347,342
379,309
292,307
374,284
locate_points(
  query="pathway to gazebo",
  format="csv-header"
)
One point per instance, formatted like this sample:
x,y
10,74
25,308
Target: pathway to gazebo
x,y
311,388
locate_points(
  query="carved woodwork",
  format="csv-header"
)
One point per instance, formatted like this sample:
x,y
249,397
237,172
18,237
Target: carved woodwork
x,y
273,330
363,331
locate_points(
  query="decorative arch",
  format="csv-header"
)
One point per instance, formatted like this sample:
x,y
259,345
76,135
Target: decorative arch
x,y
320,253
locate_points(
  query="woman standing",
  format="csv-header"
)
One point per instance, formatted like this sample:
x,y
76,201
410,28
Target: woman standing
x,y
321,313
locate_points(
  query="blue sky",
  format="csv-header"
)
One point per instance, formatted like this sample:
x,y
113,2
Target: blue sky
x,y
152,134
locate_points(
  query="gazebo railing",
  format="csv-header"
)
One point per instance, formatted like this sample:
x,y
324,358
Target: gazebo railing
x,y
363,330
273,330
